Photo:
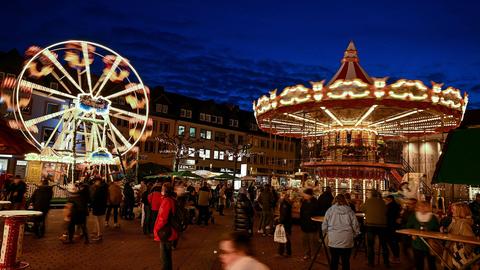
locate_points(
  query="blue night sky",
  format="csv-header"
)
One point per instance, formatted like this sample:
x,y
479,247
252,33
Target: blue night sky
x,y
235,51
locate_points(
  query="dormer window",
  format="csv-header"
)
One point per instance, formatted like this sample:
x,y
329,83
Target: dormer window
x,y
185,113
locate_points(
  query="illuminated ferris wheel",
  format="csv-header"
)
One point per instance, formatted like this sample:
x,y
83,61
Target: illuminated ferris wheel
x,y
100,102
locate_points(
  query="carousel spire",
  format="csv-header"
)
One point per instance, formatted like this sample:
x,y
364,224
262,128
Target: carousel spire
x,y
350,68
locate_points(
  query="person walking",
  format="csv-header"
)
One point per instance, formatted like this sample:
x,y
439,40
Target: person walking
x,y
341,226
154,199
204,196
113,203
285,218
376,225
128,201
146,211
40,201
425,220
99,205
163,231
393,218
267,203
309,209
244,213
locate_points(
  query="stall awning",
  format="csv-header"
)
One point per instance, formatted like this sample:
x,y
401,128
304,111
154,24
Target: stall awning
x,y
12,142
460,159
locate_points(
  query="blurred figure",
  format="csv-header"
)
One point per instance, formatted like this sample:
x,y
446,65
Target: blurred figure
x,y
228,196
309,209
154,199
222,199
376,225
267,203
17,193
461,225
40,201
78,211
243,213
286,220
99,205
235,253
393,215
204,196
163,229
325,201
128,201
423,219
475,208
146,210
350,202
405,214
114,200
341,226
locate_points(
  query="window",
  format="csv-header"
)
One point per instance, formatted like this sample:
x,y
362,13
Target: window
x,y
230,157
240,139
221,155
121,100
161,108
47,132
193,132
253,126
52,108
205,134
181,130
205,117
219,120
215,154
149,147
186,113
233,122
154,126
220,137
214,119
231,138
191,152
54,85
164,127
204,153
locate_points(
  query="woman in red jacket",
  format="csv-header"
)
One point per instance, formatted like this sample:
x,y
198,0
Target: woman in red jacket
x,y
163,230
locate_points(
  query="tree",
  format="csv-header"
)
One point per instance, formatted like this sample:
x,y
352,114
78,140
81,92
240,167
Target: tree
x,y
179,147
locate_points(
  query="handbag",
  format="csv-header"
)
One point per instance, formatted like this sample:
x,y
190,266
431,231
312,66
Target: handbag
x,y
280,236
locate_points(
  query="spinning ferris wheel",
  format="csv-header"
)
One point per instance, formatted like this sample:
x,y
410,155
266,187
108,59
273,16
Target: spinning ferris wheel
x,y
102,103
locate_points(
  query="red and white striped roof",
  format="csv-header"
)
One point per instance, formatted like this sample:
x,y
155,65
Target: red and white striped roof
x,y
350,68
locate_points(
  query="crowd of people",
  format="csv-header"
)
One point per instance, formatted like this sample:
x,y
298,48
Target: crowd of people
x,y
167,210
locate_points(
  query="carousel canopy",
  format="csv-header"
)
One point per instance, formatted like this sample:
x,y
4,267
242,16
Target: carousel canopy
x,y
459,160
353,100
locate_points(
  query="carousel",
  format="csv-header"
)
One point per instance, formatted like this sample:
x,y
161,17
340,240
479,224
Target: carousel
x,y
353,127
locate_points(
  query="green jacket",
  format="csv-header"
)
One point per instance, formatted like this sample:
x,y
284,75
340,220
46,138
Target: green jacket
x,y
432,225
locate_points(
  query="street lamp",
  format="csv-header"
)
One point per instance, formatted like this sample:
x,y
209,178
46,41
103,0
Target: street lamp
x,y
239,152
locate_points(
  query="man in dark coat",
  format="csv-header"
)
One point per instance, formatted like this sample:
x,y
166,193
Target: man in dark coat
x,y
286,220
325,201
266,200
99,205
40,201
393,224
78,213
309,227
128,201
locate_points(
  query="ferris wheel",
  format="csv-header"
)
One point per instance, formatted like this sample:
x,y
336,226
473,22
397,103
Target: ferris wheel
x,y
101,104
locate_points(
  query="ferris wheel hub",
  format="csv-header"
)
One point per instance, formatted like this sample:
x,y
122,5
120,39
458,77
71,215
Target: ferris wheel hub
x,y
87,103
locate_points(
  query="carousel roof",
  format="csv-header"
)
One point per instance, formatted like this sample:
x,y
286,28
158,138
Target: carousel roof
x,y
354,100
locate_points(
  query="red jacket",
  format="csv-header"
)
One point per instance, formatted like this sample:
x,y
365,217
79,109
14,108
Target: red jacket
x,y
167,206
155,199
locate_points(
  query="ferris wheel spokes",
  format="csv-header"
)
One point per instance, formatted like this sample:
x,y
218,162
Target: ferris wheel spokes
x,y
87,66
106,78
126,91
127,113
38,87
54,60
47,117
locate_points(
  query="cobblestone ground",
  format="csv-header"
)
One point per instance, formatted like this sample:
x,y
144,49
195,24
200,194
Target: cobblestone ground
x,y
127,248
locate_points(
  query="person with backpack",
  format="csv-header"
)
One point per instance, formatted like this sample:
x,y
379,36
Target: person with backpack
x,y
164,229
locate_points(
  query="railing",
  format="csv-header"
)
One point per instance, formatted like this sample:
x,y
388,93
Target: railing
x,y
59,191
